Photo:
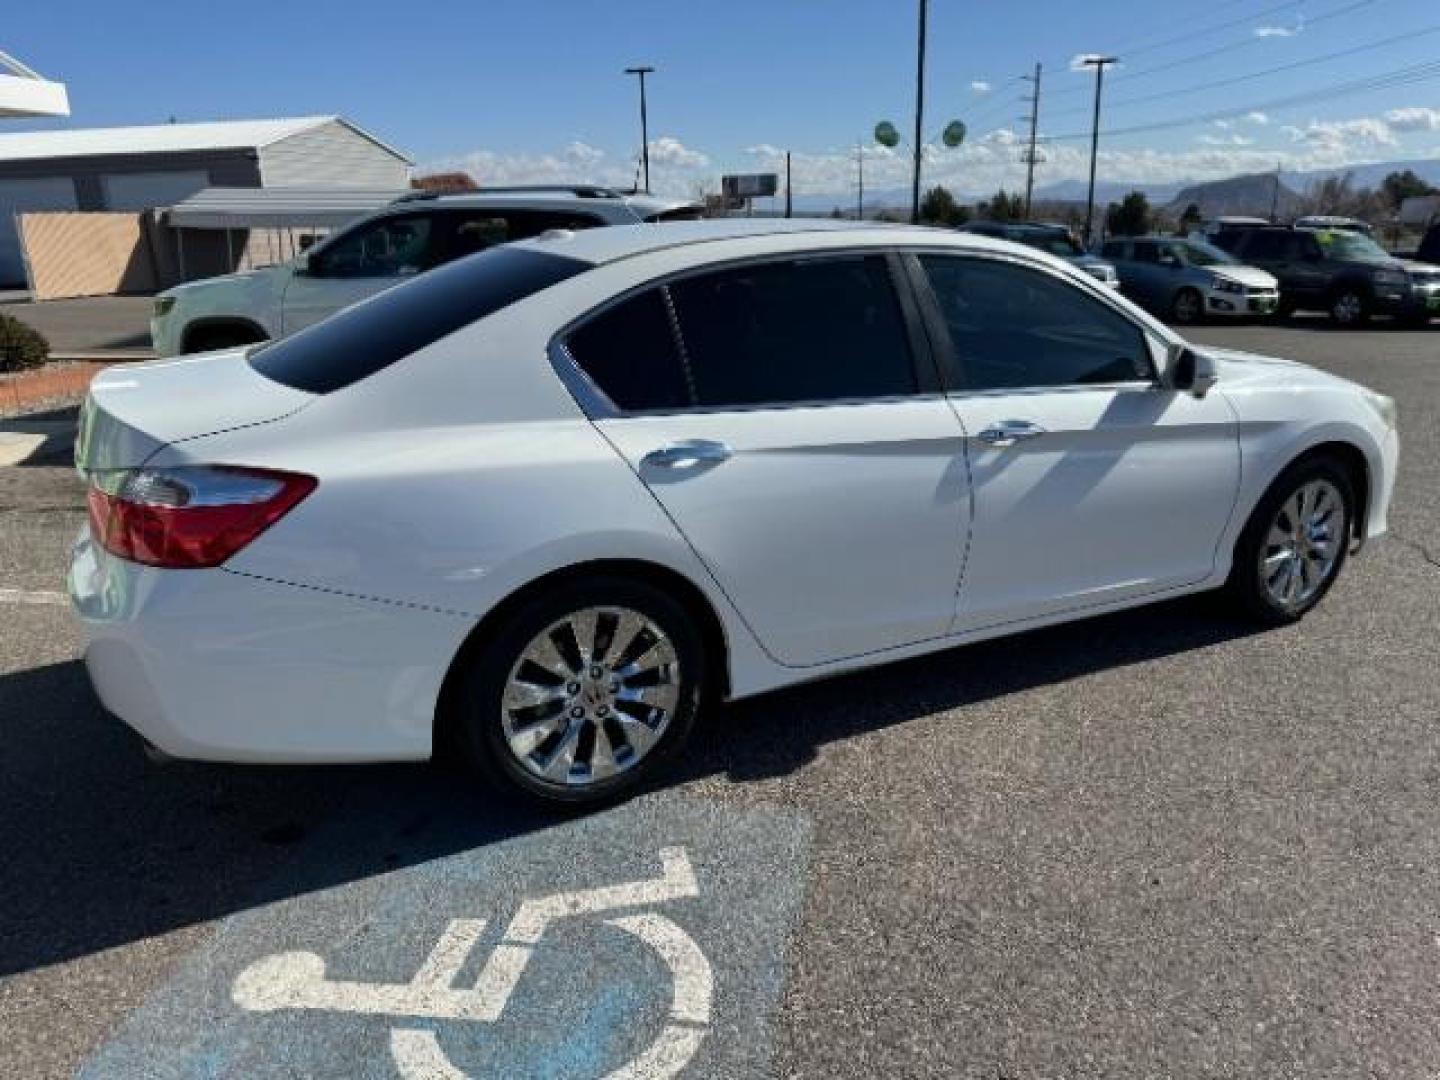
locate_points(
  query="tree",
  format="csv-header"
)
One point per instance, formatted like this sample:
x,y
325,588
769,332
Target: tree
x,y
1129,217
1189,220
1003,207
939,207
1399,186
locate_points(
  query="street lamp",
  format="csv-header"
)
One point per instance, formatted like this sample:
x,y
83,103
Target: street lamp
x,y
1099,63
644,125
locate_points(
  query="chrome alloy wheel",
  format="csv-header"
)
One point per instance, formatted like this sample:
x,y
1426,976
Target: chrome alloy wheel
x,y
590,696
1302,547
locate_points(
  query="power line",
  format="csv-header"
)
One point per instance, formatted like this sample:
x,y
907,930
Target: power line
x,y
1416,73
1195,88
1207,54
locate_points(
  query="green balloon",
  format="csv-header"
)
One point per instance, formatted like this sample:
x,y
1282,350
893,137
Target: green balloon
x,y
954,134
886,135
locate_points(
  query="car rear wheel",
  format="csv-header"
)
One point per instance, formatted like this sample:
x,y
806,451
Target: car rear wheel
x,y
1187,307
1349,307
1295,542
211,338
586,693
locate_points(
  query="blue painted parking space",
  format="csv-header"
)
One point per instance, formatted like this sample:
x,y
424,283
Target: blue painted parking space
x,y
645,942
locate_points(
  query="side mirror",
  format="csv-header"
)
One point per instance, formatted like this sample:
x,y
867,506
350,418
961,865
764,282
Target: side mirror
x,y
1190,371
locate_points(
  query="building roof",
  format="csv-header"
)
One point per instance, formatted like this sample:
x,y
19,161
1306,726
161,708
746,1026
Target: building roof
x,y
24,92
166,138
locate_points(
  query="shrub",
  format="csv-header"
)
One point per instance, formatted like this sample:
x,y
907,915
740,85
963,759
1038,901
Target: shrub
x,y
21,346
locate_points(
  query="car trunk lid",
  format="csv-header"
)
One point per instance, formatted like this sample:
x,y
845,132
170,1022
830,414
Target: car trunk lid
x,y
133,411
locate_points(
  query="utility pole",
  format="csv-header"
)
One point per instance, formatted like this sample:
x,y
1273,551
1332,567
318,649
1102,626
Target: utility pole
x,y
1030,158
860,176
919,113
787,183
1099,63
1275,195
644,122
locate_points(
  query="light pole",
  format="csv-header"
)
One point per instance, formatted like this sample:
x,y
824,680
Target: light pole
x,y
919,113
1099,63
644,123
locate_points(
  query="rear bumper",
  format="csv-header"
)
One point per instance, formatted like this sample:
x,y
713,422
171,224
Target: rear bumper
x,y
219,666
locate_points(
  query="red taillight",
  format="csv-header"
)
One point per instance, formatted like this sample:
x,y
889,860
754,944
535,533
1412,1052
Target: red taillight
x,y
189,517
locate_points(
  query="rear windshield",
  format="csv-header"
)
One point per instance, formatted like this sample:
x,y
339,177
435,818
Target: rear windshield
x,y
362,340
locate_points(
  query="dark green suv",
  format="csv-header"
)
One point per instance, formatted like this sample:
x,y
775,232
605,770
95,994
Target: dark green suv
x,y
1343,273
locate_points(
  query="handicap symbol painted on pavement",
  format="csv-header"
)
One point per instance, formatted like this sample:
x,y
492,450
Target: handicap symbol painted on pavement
x,y
641,942
296,980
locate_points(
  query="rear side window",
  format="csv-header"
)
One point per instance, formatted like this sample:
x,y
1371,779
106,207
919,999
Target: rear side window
x,y
629,351
1113,249
810,330
374,334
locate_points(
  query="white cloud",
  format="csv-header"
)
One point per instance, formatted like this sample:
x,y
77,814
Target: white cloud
x,y
1281,31
1223,125
1417,118
583,153
1224,140
980,86
1001,137
668,150
764,150
1257,118
1342,134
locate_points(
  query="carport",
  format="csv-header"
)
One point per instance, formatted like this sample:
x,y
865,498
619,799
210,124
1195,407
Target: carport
x,y
274,223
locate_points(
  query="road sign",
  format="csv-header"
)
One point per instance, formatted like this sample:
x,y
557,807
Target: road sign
x,y
886,134
750,185
954,134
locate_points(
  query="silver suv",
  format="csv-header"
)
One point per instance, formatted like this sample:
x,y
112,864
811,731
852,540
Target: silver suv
x,y
415,233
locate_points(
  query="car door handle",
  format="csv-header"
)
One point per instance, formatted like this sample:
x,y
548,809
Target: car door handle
x,y
1009,432
688,452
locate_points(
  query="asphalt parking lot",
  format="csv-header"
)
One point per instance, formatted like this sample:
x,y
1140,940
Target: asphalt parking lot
x,y
1152,844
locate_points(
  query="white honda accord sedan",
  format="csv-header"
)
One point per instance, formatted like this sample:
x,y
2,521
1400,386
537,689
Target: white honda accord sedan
x,y
545,504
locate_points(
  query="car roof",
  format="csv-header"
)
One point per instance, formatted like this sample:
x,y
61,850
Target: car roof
x,y
579,198
599,246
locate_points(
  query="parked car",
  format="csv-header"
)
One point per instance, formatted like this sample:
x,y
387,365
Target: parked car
x,y
416,233
1228,223
1187,280
1343,273
1054,239
542,506
1429,250
1338,224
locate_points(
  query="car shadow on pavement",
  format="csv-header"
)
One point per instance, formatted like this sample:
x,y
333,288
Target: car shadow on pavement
x,y
780,733
103,847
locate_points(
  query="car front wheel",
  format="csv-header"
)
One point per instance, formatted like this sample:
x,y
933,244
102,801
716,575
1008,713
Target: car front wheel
x,y
587,692
1349,307
1295,542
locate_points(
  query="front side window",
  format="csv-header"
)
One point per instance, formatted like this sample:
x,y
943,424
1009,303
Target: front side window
x,y
391,247
1014,327
807,330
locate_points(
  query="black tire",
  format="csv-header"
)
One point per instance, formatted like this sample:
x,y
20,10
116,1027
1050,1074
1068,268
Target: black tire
x,y
211,338
1285,309
1188,307
1349,307
479,717
1246,584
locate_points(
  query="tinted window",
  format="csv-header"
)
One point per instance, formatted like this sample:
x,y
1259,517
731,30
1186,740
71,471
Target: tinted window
x,y
1266,245
809,330
1015,327
1146,252
629,351
391,247
464,232
1113,249
361,340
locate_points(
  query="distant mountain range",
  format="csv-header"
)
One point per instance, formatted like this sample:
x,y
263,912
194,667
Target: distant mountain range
x,y
1236,194
1257,194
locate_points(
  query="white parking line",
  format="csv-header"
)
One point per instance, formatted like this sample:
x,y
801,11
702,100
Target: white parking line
x,y
34,596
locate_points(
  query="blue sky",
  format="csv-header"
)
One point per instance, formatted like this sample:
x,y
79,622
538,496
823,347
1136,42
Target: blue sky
x,y
534,91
